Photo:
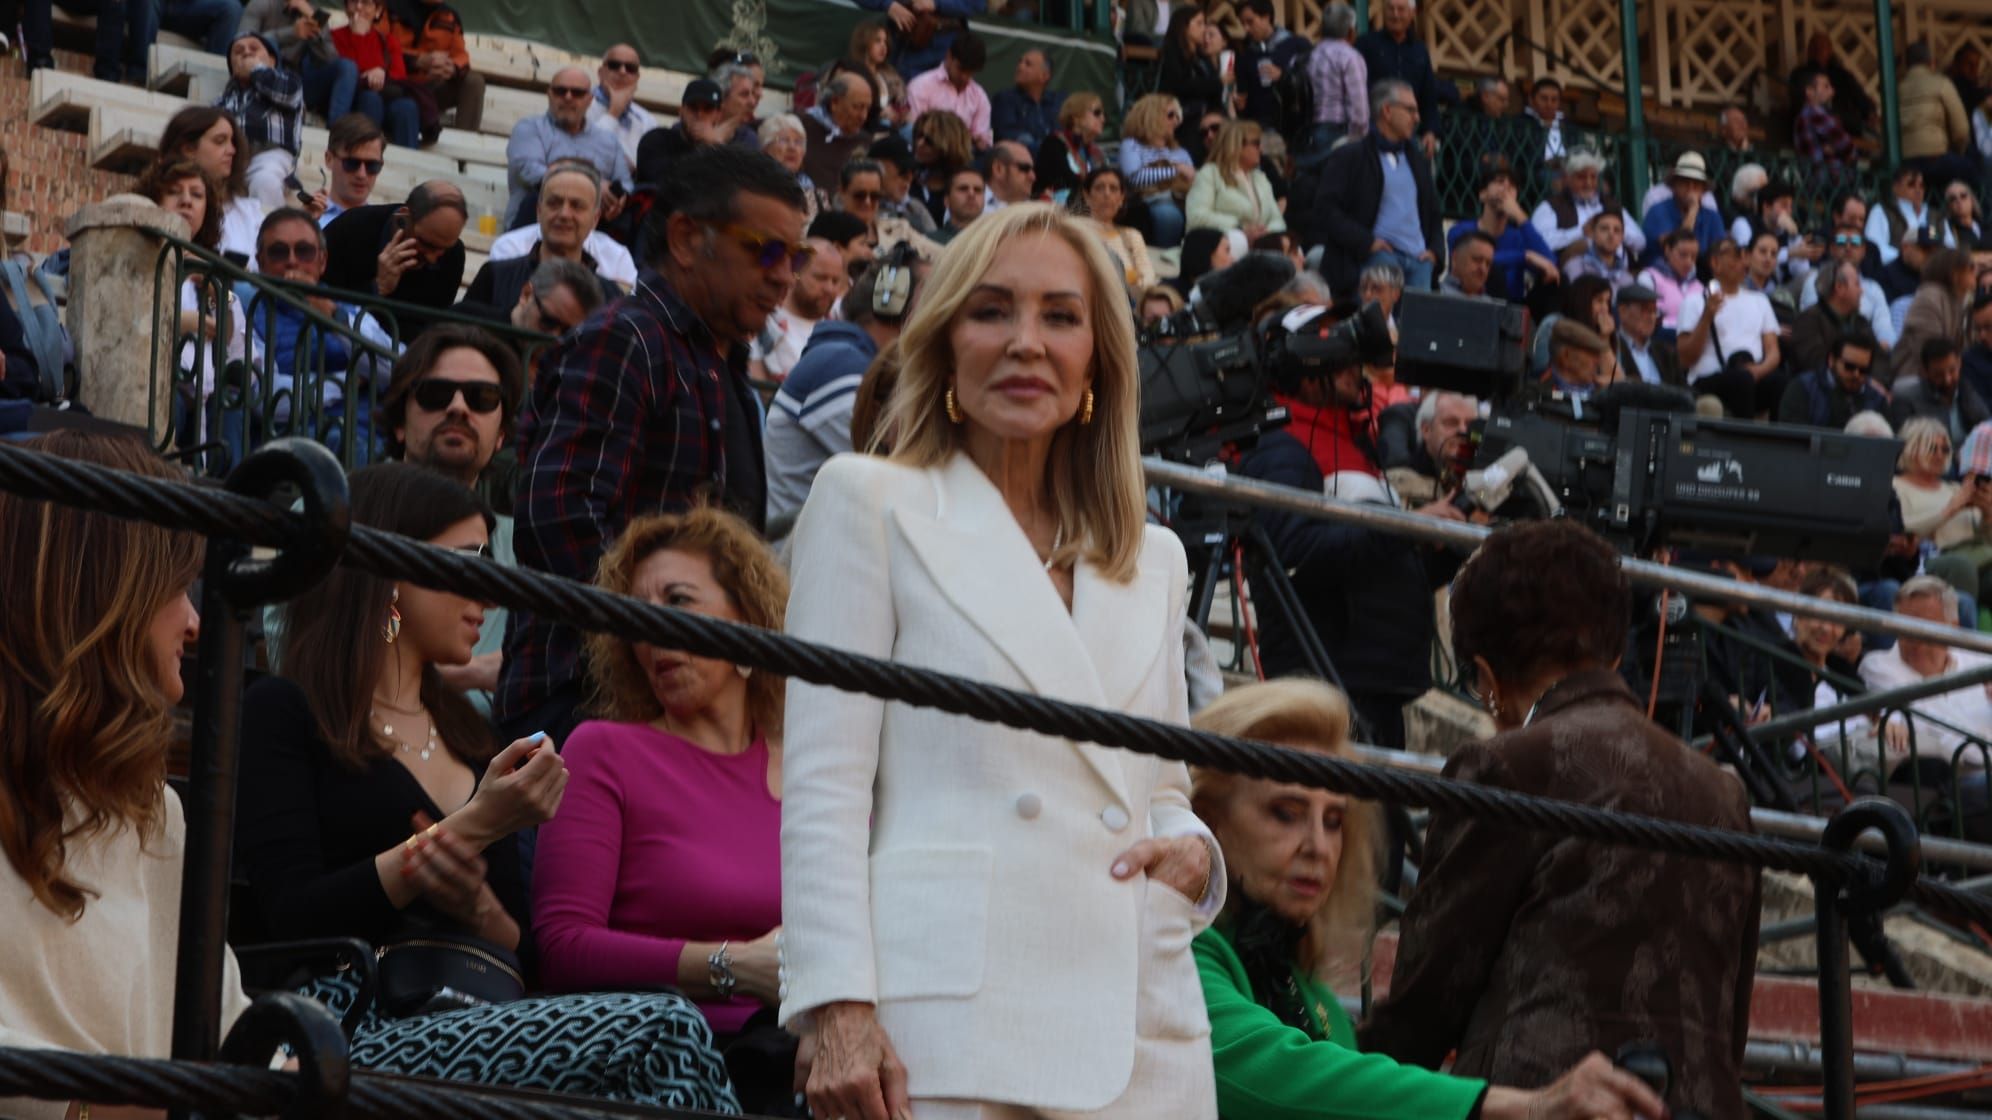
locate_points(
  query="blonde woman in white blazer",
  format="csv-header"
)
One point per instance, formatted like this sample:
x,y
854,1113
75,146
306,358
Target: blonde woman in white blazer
x,y
980,922
1230,191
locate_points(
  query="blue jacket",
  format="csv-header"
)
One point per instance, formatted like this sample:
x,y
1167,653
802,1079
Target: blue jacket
x,y
1014,116
1814,399
1409,62
811,417
1665,217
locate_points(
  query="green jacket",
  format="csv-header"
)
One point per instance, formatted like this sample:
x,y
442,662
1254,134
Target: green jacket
x,y
1267,1070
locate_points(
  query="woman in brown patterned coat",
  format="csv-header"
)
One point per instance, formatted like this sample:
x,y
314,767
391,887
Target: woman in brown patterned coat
x,y
1525,950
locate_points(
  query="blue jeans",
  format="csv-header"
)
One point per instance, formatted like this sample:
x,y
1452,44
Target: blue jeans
x,y
401,118
1167,216
1417,273
329,86
211,23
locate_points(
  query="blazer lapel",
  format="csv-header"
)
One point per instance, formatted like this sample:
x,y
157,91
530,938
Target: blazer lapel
x,y
985,566
1122,625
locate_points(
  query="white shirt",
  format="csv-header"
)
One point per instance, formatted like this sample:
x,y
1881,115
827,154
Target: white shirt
x,y
612,261
1642,360
1543,218
1746,317
629,128
1969,707
779,345
1912,219
241,220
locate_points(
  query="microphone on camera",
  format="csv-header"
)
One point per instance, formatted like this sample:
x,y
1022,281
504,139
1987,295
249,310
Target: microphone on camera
x,y
1230,294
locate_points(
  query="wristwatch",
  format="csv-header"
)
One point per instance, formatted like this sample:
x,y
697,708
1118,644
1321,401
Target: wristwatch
x,y
719,971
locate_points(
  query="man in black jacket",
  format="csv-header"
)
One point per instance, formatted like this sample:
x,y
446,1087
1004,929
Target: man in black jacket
x,y
412,253
1374,201
1939,393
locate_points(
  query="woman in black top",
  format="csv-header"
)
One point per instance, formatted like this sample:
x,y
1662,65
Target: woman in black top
x,y
1188,73
363,815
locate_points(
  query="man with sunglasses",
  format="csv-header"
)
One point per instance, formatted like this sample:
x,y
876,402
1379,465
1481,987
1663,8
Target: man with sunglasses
x,y
615,107
310,370
1840,308
1012,176
1848,244
355,153
1900,218
450,406
562,132
646,408
1829,395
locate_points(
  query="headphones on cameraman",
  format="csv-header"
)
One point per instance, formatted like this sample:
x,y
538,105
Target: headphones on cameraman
x,y
893,291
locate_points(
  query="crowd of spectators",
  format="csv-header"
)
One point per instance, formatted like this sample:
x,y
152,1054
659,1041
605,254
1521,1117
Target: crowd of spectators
x,y
691,319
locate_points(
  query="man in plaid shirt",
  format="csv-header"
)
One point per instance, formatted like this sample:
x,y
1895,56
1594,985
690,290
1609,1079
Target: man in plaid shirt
x,y
645,408
1817,134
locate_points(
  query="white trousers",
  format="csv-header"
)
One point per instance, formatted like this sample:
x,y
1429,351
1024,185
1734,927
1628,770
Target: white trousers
x,y
1172,1078
265,177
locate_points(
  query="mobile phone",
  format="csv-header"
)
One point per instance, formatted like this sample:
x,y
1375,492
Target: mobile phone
x,y
304,198
397,226
320,16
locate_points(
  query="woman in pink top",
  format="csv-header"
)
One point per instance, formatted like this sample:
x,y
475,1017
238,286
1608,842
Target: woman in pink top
x,y
1672,276
663,867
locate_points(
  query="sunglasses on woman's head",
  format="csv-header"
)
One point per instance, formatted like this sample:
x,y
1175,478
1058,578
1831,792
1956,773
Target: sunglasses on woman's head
x,y
434,394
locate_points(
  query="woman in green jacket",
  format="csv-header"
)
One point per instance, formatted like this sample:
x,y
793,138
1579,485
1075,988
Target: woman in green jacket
x,y
1302,867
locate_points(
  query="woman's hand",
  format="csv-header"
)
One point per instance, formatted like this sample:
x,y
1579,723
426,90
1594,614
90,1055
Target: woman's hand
x,y
1180,862
1593,1088
521,788
374,78
757,967
855,1074
446,871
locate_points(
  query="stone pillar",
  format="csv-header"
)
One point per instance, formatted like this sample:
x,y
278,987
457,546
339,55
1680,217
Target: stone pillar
x,y
114,267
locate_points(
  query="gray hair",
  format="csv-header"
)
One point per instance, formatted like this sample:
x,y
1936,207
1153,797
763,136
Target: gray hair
x,y
1829,277
1309,287
1384,273
1929,587
1584,159
559,272
579,167
1428,405
1337,20
840,86
774,126
726,73
1870,423
1384,91
1489,84
1748,180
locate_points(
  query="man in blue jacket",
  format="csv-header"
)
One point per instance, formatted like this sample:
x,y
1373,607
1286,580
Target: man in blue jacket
x,y
1684,210
1374,202
1828,398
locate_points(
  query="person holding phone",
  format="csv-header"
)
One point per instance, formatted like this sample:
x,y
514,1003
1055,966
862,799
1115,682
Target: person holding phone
x,y
412,252
304,44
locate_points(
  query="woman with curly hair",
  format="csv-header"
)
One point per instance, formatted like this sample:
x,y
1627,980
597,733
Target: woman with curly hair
x,y
92,835
214,142
664,864
941,147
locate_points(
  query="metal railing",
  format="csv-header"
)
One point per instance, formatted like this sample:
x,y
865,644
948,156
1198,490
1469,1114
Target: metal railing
x,y
313,361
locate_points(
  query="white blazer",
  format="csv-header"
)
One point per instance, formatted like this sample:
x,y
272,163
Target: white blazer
x,y
956,873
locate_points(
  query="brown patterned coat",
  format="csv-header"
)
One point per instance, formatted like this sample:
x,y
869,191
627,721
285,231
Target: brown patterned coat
x,y
1524,950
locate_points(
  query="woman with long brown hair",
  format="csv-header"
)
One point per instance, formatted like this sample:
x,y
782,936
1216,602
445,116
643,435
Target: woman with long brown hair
x,y
363,814
214,142
93,837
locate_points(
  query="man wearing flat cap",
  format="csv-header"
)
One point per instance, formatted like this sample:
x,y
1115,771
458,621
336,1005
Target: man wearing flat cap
x,y
1640,350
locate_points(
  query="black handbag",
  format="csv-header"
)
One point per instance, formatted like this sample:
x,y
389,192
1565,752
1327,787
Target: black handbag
x,y
444,972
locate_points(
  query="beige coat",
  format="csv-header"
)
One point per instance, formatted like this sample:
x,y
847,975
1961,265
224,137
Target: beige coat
x,y
955,873
1933,119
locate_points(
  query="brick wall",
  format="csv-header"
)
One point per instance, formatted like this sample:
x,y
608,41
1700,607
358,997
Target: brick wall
x,y
49,176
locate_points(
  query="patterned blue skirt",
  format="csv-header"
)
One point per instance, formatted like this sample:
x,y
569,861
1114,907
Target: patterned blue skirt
x,y
647,1048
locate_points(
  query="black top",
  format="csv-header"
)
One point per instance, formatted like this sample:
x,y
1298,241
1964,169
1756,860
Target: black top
x,y
658,150
307,830
352,249
498,283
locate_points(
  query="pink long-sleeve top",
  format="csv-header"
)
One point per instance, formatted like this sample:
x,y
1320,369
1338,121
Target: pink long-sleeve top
x,y
657,842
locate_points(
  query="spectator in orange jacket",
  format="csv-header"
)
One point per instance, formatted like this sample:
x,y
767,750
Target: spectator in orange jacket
x,y
431,35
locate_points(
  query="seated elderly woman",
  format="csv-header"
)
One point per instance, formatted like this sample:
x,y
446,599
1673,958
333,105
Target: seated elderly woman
x,y
664,864
1524,951
1302,863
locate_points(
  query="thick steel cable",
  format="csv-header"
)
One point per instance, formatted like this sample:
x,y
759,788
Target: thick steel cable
x,y
216,1088
213,512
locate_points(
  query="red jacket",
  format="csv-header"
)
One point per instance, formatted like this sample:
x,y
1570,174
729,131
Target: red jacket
x,y
369,51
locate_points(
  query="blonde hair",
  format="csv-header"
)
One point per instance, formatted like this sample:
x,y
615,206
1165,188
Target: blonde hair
x,y
1230,143
1094,473
948,135
744,567
1148,121
1076,107
1919,438
1297,710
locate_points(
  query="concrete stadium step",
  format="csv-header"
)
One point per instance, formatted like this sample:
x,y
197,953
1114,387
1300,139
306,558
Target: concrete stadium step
x,y
62,100
193,74
123,139
469,148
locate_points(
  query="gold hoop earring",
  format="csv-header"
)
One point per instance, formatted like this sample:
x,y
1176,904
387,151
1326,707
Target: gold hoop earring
x,y
392,629
954,410
1086,409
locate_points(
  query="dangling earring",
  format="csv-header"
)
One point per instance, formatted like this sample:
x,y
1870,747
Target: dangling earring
x,y
954,410
745,671
392,629
1086,409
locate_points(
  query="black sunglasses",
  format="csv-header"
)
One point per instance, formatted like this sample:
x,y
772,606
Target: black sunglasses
x,y
575,92
281,252
353,164
623,67
434,394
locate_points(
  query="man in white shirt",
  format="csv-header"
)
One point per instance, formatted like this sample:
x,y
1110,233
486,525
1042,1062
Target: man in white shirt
x,y
1562,216
612,261
816,290
1970,708
615,107
1728,339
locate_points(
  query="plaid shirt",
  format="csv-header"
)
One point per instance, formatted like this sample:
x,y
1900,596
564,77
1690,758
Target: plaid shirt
x,y
269,107
1341,86
627,416
1821,139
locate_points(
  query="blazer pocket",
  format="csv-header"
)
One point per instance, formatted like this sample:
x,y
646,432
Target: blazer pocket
x,y
930,920
1169,999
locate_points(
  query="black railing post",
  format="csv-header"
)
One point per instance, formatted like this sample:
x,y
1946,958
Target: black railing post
x,y
232,582
1871,893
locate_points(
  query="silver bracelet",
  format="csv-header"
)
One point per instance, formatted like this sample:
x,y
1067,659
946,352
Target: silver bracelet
x,y
719,971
